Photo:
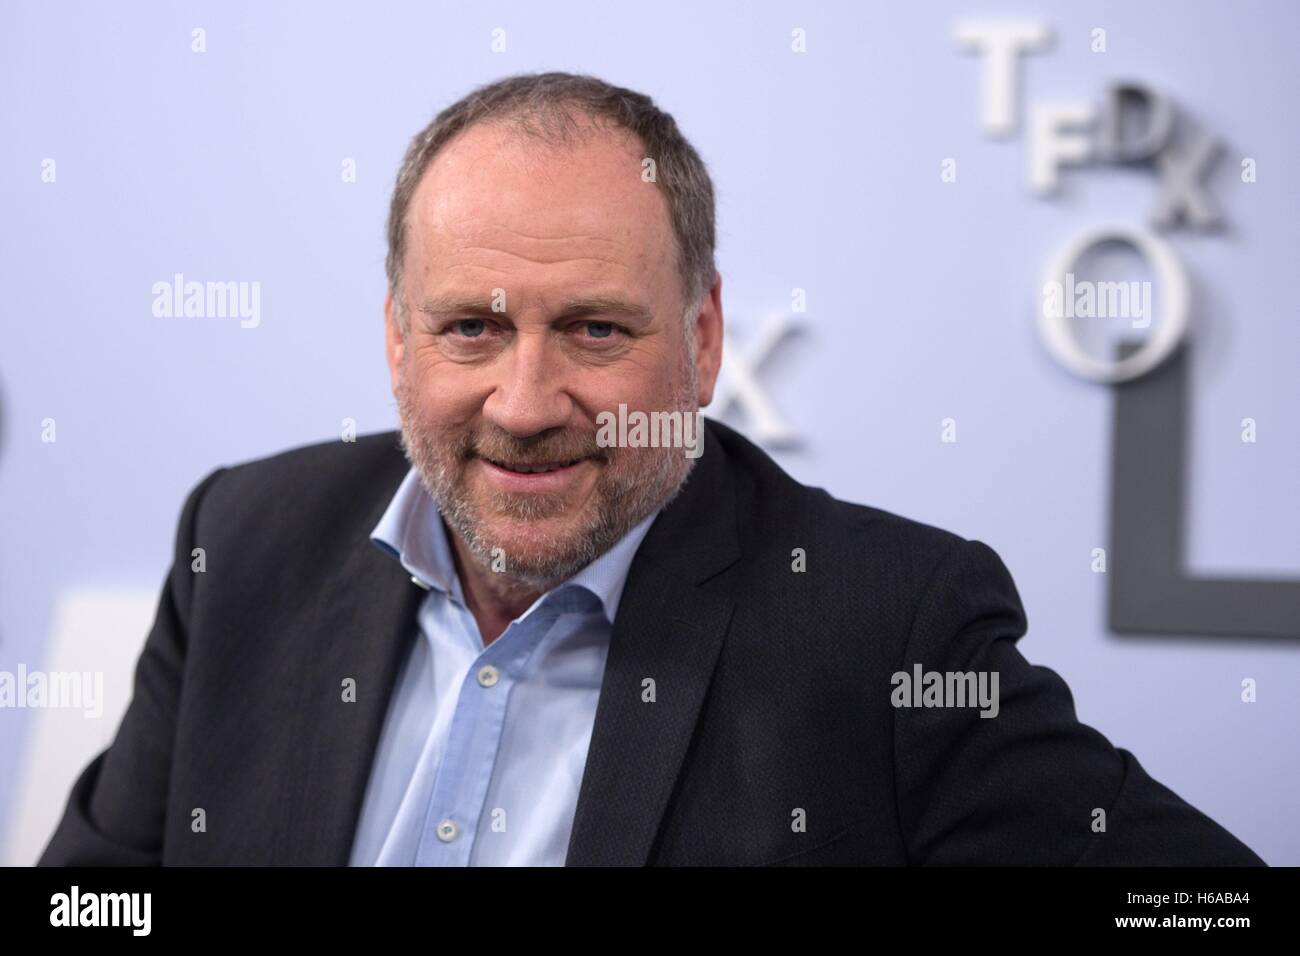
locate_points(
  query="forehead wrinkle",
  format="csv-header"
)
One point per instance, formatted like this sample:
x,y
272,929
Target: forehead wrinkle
x,y
451,236
546,262
476,225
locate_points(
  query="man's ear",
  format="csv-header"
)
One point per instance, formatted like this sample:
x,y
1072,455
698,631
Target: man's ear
x,y
394,341
708,341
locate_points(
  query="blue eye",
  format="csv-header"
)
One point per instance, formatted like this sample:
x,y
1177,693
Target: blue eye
x,y
470,328
600,330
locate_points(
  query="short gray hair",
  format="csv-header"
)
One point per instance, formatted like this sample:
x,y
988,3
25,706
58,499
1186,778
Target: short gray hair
x,y
542,105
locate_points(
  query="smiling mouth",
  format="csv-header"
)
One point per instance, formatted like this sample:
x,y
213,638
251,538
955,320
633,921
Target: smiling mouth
x,y
533,468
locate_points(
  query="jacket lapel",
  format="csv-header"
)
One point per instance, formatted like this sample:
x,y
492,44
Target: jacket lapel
x,y
363,627
668,630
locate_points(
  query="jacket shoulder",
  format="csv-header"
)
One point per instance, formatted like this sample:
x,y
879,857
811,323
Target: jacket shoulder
x,y
781,502
860,562
312,490
323,460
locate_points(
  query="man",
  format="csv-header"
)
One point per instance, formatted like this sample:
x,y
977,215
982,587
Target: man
x,y
521,642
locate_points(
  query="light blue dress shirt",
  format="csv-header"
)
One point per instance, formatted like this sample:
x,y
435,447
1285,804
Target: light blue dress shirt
x,y
482,752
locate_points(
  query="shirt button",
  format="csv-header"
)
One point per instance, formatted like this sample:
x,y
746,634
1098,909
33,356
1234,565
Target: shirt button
x,y
488,675
447,831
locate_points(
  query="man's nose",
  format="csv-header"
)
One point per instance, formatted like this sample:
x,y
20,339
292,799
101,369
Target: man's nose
x,y
530,393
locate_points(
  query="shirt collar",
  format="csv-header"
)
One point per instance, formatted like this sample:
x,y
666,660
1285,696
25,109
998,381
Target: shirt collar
x,y
411,530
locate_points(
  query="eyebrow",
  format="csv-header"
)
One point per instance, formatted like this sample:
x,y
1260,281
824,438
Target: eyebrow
x,y
448,305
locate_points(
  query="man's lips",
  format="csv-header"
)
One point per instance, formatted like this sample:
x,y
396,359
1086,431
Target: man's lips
x,y
518,476
532,467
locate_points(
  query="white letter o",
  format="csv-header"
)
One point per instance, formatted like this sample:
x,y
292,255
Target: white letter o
x,y
1168,333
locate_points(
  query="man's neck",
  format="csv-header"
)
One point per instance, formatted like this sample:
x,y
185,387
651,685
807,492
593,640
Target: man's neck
x,y
494,598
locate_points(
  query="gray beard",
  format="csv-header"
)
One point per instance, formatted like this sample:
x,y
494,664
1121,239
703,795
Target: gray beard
x,y
622,501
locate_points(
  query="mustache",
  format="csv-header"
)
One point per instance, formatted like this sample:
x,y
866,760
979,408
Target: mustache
x,y
535,449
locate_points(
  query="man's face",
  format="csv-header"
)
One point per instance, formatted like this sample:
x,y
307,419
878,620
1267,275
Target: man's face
x,y
541,289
